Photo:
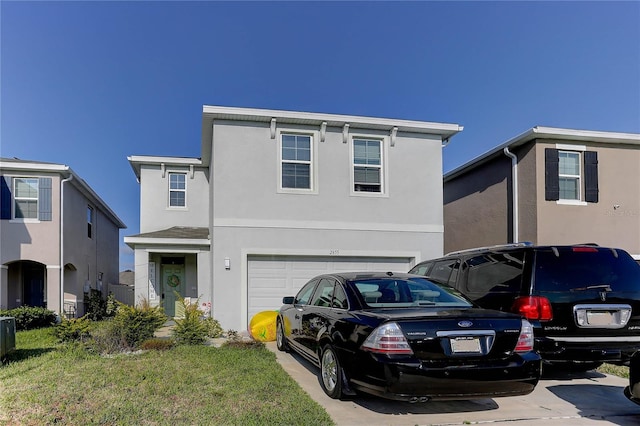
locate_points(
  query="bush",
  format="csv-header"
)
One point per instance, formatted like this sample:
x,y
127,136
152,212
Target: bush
x,y
213,328
137,323
157,344
73,330
97,308
107,338
192,329
28,317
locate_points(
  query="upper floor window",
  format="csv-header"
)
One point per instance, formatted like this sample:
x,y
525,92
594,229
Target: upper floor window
x,y
89,222
177,189
367,166
571,175
25,196
296,161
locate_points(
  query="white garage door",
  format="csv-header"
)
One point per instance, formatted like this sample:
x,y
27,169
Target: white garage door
x,y
270,278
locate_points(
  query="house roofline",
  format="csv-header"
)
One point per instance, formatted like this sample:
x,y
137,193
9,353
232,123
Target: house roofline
x,y
210,113
66,172
136,161
542,132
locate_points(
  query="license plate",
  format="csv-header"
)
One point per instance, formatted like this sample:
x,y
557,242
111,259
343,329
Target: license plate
x,y
465,344
599,318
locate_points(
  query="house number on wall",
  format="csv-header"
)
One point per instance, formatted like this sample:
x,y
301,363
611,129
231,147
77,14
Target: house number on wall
x,y
334,252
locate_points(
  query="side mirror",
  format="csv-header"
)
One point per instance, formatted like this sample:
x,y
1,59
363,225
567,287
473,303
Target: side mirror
x,y
288,300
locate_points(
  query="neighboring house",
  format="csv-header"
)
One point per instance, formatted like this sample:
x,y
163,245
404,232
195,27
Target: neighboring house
x,y
58,241
279,197
548,186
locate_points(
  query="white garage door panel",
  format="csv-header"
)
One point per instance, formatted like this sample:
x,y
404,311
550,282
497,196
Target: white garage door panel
x,y
270,278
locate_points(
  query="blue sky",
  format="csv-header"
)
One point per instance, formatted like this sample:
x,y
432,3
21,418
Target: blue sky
x,y
89,83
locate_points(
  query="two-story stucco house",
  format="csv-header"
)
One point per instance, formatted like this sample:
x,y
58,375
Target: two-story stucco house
x,y
58,239
548,186
278,197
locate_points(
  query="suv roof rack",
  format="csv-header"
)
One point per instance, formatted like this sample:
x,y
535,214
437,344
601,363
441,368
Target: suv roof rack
x,y
495,247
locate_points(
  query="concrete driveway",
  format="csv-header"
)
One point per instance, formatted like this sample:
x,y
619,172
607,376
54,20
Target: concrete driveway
x,y
565,399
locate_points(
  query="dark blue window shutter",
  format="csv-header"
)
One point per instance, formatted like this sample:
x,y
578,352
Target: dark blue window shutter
x,y
5,197
44,199
591,177
551,175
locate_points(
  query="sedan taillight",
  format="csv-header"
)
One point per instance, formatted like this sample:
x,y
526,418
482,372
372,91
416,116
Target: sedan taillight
x,y
387,339
525,340
533,308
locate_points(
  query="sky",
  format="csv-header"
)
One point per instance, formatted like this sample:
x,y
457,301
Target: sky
x,y
87,83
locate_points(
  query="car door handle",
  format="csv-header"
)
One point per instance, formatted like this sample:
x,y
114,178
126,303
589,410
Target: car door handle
x,y
297,316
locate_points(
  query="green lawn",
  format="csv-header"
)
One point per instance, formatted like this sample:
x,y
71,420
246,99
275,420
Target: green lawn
x,y
46,383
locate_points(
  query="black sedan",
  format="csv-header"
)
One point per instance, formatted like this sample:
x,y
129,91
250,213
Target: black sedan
x,y
406,338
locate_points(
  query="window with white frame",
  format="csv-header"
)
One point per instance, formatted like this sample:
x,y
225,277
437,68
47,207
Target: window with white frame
x,y
569,175
89,222
296,161
177,189
25,198
367,165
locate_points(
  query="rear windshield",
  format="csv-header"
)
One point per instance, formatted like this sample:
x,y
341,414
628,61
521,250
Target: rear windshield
x,y
396,293
584,269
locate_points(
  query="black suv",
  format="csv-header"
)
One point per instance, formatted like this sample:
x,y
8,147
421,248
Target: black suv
x,y
583,300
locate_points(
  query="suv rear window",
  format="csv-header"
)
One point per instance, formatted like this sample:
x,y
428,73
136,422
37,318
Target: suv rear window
x,y
585,268
495,272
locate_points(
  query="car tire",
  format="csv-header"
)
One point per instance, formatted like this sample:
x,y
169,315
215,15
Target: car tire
x,y
281,340
330,373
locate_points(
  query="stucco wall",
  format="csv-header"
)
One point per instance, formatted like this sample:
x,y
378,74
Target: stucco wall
x,y
251,215
155,213
477,206
601,222
37,241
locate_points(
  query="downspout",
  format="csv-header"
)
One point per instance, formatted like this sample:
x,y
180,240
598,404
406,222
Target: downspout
x,y
514,191
62,244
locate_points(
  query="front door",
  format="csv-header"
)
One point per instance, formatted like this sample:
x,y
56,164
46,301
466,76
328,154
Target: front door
x,y
33,285
172,283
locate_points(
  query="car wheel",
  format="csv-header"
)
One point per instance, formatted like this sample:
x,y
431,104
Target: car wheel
x,y
330,373
281,341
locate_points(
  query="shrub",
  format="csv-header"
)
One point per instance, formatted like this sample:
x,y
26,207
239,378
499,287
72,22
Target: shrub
x,y
95,306
157,344
108,338
213,328
73,330
137,323
29,317
192,329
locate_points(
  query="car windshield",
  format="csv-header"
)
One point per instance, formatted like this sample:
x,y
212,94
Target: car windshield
x,y
410,292
586,269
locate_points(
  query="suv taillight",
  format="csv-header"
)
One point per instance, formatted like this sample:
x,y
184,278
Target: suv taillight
x,y
387,339
533,308
525,340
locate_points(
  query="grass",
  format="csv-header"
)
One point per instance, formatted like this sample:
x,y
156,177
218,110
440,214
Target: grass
x,y
615,370
45,382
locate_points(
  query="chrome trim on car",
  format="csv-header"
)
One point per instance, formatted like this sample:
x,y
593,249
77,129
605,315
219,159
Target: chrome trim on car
x,y
613,315
595,339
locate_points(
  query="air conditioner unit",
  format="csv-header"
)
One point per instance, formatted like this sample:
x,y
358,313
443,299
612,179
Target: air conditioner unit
x,y
7,336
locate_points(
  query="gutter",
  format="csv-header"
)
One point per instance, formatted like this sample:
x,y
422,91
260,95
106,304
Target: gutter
x,y
62,242
514,191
